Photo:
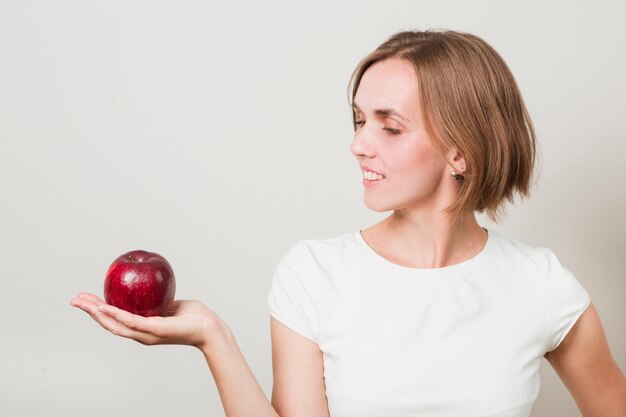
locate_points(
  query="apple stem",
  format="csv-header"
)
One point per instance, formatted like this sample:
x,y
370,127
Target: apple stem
x,y
131,257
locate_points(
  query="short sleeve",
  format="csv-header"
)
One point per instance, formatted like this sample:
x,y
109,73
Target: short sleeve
x,y
289,299
567,300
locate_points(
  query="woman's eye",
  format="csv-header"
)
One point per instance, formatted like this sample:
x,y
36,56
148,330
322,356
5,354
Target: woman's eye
x,y
392,130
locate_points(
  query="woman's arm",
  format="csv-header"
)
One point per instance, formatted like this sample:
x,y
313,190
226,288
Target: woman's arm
x,y
584,363
239,390
299,386
191,323
299,389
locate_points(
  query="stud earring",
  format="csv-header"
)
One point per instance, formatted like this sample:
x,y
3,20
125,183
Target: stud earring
x,y
455,175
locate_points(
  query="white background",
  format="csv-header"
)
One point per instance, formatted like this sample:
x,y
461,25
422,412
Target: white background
x,y
217,134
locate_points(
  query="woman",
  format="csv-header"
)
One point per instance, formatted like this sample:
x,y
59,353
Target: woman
x,y
425,313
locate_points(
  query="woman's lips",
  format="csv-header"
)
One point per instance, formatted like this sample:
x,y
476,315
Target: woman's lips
x,y
370,176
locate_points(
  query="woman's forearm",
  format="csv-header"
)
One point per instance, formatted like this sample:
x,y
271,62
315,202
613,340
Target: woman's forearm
x,y
239,390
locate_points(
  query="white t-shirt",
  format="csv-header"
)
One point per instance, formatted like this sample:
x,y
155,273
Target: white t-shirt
x,y
465,340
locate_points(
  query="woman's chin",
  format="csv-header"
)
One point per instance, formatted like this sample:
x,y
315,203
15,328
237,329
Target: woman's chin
x,y
377,206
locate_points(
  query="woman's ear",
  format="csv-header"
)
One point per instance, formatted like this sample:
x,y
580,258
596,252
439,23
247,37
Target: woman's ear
x,y
457,160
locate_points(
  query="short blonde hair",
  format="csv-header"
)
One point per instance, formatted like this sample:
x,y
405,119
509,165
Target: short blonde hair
x,y
470,102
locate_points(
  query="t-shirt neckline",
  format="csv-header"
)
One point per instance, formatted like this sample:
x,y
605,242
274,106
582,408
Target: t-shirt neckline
x,y
384,261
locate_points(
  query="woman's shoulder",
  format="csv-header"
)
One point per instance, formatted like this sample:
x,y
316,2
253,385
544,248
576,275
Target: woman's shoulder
x,y
330,241
322,247
510,248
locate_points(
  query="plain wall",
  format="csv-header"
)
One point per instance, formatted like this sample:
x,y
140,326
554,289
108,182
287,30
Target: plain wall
x,y
217,134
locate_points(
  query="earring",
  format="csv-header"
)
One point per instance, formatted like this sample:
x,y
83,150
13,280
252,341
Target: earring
x,y
455,175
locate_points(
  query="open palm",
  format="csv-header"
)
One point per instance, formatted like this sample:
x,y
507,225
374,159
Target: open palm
x,y
187,322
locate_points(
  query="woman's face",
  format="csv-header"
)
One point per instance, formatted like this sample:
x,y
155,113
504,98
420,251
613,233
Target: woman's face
x,y
391,139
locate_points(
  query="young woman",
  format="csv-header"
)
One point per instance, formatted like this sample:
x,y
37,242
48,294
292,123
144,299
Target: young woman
x,y
425,313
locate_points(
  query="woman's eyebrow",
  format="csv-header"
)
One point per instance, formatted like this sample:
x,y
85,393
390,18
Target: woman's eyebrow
x,y
383,112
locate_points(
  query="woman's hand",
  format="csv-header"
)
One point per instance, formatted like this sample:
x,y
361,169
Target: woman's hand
x,y
186,322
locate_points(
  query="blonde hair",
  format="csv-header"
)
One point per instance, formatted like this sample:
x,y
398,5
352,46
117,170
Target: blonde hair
x,y
471,102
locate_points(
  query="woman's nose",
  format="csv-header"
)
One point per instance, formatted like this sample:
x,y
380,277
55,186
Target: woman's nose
x,y
362,143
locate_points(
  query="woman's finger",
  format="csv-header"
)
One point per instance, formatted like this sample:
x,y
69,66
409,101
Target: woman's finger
x,y
121,316
91,297
109,323
174,308
149,325
103,320
185,330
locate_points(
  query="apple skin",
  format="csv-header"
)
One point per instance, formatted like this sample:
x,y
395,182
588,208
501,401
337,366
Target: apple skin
x,y
140,282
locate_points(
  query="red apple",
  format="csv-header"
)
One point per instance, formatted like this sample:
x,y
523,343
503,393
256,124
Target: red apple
x,y
140,282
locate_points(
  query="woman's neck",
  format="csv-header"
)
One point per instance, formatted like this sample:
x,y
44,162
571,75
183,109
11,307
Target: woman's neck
x,y
427,243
